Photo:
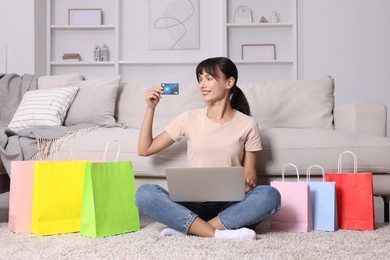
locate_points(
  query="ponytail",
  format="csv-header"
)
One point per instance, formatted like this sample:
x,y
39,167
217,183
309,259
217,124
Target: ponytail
x,y
238,101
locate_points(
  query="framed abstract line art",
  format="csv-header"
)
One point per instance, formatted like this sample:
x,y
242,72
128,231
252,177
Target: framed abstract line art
x,y
87,16
258,52
173,24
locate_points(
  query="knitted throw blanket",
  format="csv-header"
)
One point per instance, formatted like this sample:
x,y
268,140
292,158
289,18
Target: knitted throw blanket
x,y
26,143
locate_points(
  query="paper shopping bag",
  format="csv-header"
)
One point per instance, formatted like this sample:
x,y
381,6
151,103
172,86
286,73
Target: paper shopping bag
x,y
355,201
20,196
295,212
108,206
323,202
57,196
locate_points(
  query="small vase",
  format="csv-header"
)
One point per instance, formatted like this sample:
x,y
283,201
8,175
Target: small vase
x,y
275,17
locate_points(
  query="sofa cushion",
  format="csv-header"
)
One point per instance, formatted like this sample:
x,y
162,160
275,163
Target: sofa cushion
x,y
95,102
292,103
305,147
302,147
91,146
57,81
131,104
43,107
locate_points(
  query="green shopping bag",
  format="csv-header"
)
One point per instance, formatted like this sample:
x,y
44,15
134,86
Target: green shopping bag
x,y
108,204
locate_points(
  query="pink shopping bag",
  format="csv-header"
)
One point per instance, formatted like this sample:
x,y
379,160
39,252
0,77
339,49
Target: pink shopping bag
x,y
20,197
295,213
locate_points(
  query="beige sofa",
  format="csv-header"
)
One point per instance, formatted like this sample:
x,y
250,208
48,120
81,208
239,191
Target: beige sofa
x,y
298,122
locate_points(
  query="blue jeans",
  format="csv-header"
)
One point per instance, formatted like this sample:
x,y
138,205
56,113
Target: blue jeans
x,y
259,203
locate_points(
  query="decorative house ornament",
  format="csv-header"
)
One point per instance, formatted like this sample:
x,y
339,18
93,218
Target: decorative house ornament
x,y
243,15
263,20
96,53
275,17
105,53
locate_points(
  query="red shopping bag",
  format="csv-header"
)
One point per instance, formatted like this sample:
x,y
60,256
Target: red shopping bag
x,y
355,199
295,213
20,197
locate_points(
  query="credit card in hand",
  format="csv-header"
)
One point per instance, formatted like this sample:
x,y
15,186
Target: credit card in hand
x,y
170,88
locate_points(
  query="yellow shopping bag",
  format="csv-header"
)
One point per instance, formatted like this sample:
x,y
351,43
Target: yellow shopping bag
x,y
57,196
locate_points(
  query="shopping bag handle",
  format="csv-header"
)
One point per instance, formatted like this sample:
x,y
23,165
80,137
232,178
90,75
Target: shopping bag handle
x,y
309,171
284,166
105,150
340,167
58,144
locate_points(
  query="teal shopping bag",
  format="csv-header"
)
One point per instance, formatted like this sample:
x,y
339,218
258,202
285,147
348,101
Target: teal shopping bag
x,y
323,202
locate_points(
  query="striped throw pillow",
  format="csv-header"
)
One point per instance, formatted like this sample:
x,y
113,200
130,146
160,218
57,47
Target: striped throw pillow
x,y
43,107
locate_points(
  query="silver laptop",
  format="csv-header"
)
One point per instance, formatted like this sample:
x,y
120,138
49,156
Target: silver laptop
x,y
206,184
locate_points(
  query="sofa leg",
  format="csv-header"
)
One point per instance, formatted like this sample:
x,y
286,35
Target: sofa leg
x,y
386,201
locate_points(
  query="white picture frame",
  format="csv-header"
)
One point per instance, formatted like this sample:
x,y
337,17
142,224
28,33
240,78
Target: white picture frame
x,y
258,52
174,25
85,16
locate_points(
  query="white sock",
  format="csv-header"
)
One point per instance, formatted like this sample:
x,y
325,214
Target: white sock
x,y
241,234
172,232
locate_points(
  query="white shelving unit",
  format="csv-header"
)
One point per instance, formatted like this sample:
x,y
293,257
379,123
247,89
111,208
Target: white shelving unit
x,y
125,31
283,34
63,38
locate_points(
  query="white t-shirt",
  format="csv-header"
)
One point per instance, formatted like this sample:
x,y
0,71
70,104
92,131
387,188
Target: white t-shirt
x,y
212,144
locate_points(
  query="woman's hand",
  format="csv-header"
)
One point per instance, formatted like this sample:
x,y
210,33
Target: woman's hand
x,y
153,96
250,183
250,170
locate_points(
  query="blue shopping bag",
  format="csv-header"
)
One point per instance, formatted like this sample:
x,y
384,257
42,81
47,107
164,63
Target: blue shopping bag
x,y
323,202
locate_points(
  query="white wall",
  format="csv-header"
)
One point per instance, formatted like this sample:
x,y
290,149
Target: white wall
x,y
17,32
349,40
18,19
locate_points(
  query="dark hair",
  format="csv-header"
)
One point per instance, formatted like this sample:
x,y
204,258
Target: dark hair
x,y
212,66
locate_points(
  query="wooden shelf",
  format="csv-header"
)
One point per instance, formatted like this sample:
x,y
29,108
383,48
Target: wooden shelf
x,y
259,25
82,63
267,62
82,27
123,62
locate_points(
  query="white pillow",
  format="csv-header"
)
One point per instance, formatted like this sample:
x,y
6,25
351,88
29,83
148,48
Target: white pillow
x,y
43,107
58,81
95,102
292,103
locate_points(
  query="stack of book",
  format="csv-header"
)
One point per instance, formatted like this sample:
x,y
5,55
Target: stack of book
x,y
71,57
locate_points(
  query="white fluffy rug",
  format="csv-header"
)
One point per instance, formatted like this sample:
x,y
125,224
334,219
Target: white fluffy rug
x,y
148,244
